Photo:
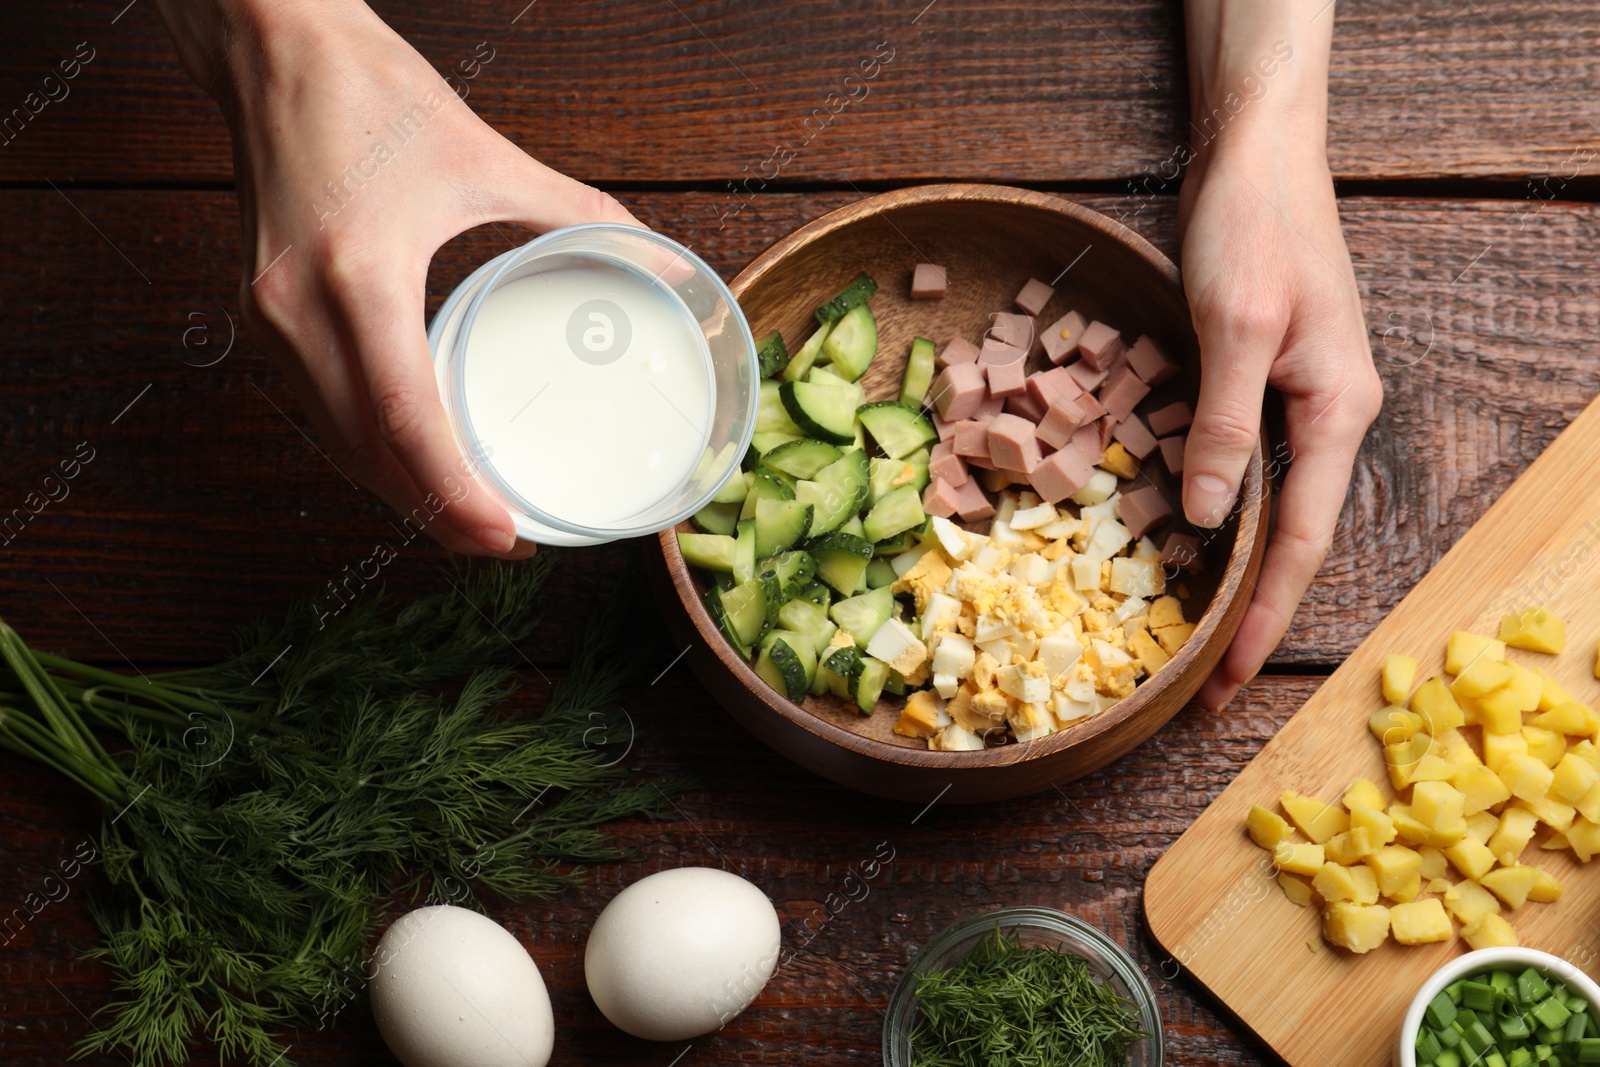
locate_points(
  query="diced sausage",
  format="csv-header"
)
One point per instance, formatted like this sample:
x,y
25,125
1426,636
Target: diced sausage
x,y
1087,377
1060,475
946,430
1061,420
1034,296
990,407
959,391
1013,329
1099,345
1182,552
1060,338
1135,436
997,351
971,439
1171,419
1044,386
957,350
1152,365
1086,442
1108,426
941,498
1143,510
971,504
1027,405
927,282
1012,444
1006,379
1172,452
944,463
1122,392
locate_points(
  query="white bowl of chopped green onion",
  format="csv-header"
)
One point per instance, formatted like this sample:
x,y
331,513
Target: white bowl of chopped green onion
x,y
1027,985
1503,1007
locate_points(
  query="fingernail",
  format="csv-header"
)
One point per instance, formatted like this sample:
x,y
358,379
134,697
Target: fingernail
x,y
1207,500
495,539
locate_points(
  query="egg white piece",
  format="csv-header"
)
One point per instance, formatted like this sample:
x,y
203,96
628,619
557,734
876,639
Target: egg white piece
x,y
453,988
681,952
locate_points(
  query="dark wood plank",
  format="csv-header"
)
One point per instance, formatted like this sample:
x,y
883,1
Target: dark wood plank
x,y
637,90
205,505
1084,849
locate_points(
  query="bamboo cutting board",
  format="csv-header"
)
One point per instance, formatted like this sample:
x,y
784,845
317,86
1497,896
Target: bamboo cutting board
x,y
1212,901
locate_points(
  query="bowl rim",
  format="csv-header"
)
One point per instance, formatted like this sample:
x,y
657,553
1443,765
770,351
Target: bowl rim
x,y
1035,917
1249,521
1477,960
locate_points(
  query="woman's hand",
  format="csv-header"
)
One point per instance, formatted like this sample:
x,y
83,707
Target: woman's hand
x,y
1274,303
355,162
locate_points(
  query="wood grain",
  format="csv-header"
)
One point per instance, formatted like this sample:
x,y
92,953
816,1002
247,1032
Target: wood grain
x,y
1085,849
641,91
206,505
1211,901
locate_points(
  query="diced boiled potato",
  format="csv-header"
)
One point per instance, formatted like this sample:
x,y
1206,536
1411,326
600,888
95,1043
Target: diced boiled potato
x,y
1516,830
1420,923
1555,841
1482,826
1491,931
1586,751
1471,857
1511,884
1394,866
1334,882
1352,846
1438,708
1573,777
1363,791
1439,805
1482,676
1584,837
1552,694
1546,746
1482,788
1546,890
1380,828
1437,885
1296,889
1414,831
1528,685
1568,717
1299,858
1589,805
1499,711
1526,777
1552,813
1316,820
1357,927
1456,750
1535,629
1266,828
1469,902
1434,863
1465,648
1496,747
1395,725
1399,672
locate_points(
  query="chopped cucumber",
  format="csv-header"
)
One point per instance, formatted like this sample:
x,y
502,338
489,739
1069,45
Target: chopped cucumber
x,y
853,526
842,561
771,353
810,619
860,616
802,458
869,684
836,492
816,593
764,441
771,416
829,376
803,360
783,661
794,571
764,485
918,374
714,552
899,510
840,671
745,608
788,480
744,551
779,524
896,685
822,411
898,429
717,518
713,602
858,292
887,474
852,343
897,544
733,490
880,574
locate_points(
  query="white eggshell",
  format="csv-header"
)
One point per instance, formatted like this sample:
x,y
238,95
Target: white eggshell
x,y
679,953
453,988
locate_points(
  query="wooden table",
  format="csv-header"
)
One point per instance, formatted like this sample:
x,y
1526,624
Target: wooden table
x,y
1464,139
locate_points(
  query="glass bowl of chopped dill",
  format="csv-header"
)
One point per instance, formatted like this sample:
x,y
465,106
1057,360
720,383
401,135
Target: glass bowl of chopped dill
x,y
1022,985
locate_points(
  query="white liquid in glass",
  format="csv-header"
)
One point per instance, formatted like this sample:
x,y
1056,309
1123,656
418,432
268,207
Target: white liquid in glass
x,y
589,441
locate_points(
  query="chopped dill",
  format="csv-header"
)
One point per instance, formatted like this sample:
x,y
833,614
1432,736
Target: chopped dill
x,y
1004,1004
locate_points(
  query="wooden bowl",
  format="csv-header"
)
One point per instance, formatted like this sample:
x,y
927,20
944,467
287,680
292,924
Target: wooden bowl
x,y
991,239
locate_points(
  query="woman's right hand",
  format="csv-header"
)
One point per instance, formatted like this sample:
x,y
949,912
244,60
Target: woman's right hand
x,y
354,163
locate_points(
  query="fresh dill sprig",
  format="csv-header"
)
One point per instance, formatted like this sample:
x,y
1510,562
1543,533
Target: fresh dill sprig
x,y
264,811
1022,1007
